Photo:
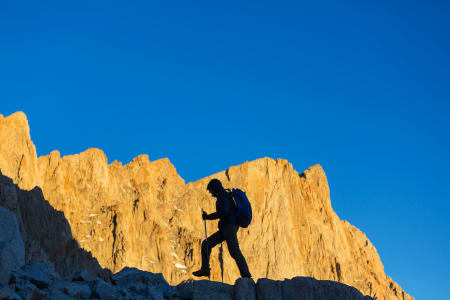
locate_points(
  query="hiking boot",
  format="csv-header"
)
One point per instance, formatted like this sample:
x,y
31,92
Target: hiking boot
x,y
202,272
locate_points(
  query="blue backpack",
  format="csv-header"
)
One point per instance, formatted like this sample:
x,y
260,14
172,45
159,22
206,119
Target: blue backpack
x,y
243,215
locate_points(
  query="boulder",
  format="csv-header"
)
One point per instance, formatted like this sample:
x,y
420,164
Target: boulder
x,y
104,290
185,289
211,290
143,283
244,289
155,294
8,294
82,275
26,289
78,291
128,275
29,291
267,289
298,288
12,251
38,273
19,277
139,288
75,290
305,288
331,290
124,294
41,295
58,294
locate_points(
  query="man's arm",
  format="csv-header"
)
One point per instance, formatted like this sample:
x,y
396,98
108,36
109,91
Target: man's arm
x,y
213,216
222,207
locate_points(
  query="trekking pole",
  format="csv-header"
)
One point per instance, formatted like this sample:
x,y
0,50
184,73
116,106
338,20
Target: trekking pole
x,y
206,241
221,259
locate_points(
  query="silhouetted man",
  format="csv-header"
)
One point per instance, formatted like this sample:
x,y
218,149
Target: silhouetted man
x,y
225,212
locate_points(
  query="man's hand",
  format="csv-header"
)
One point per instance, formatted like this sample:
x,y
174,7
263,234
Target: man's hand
x,y
204,215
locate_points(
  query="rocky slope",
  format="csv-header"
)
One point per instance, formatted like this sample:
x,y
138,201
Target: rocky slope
x,y
35,282
103,217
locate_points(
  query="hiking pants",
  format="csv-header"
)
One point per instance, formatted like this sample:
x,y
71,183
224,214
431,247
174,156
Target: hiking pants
x,y
229,234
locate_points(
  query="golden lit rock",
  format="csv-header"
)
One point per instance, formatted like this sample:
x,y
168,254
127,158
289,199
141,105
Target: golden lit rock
x,y
143,215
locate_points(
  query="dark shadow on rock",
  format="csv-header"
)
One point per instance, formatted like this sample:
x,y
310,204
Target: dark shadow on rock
x,y
46,232
307,288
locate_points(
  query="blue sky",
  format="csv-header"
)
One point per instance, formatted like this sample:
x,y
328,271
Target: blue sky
x,y
360,87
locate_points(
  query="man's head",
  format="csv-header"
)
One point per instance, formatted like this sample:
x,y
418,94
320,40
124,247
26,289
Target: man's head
x,y
215,187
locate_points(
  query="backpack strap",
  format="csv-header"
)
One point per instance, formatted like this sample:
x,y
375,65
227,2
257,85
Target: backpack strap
x,y
232,197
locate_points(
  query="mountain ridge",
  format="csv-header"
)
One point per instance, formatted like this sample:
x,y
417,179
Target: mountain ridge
x,y
149,216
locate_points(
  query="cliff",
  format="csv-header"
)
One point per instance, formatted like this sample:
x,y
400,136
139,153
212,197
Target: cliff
x,y
143,215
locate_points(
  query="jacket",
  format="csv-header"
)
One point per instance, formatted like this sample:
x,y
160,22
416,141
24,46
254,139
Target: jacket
x,y
225,209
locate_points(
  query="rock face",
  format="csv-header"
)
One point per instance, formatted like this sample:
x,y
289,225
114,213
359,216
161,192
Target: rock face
x,y
12,251
17,152
143,215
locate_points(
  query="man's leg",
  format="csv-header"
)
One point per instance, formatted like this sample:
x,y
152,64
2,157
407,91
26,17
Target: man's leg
x,y
230,235
213,240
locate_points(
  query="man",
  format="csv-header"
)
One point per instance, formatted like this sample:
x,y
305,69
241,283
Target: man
x,y
225,211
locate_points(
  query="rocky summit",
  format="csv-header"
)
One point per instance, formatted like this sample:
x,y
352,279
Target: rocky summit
x,y
79,227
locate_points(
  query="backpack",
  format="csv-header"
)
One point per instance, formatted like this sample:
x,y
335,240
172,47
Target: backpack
x,y
243,215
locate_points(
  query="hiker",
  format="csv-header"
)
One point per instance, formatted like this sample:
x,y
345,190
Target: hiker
x,y
225,212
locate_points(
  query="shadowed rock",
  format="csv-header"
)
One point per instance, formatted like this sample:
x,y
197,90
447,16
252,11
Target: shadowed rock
x,y
104,290
34,281
38,273
244,289
209,290
12,251
306,288
46,233
77,290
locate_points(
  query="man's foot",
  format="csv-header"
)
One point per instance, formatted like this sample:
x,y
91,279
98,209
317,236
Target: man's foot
x,y
202,272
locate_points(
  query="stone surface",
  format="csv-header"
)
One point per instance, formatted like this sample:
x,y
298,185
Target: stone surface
x,y
329,290
128,276
185,289
104,291
210,290
135,284
60,295
143,215
244,289
8,294
77,290
12,251
267,289
38,273
40,295
18,277
27,290
82,275
298,288
305,288
143,283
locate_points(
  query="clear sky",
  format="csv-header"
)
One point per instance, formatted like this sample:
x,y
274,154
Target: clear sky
x,y
360,87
